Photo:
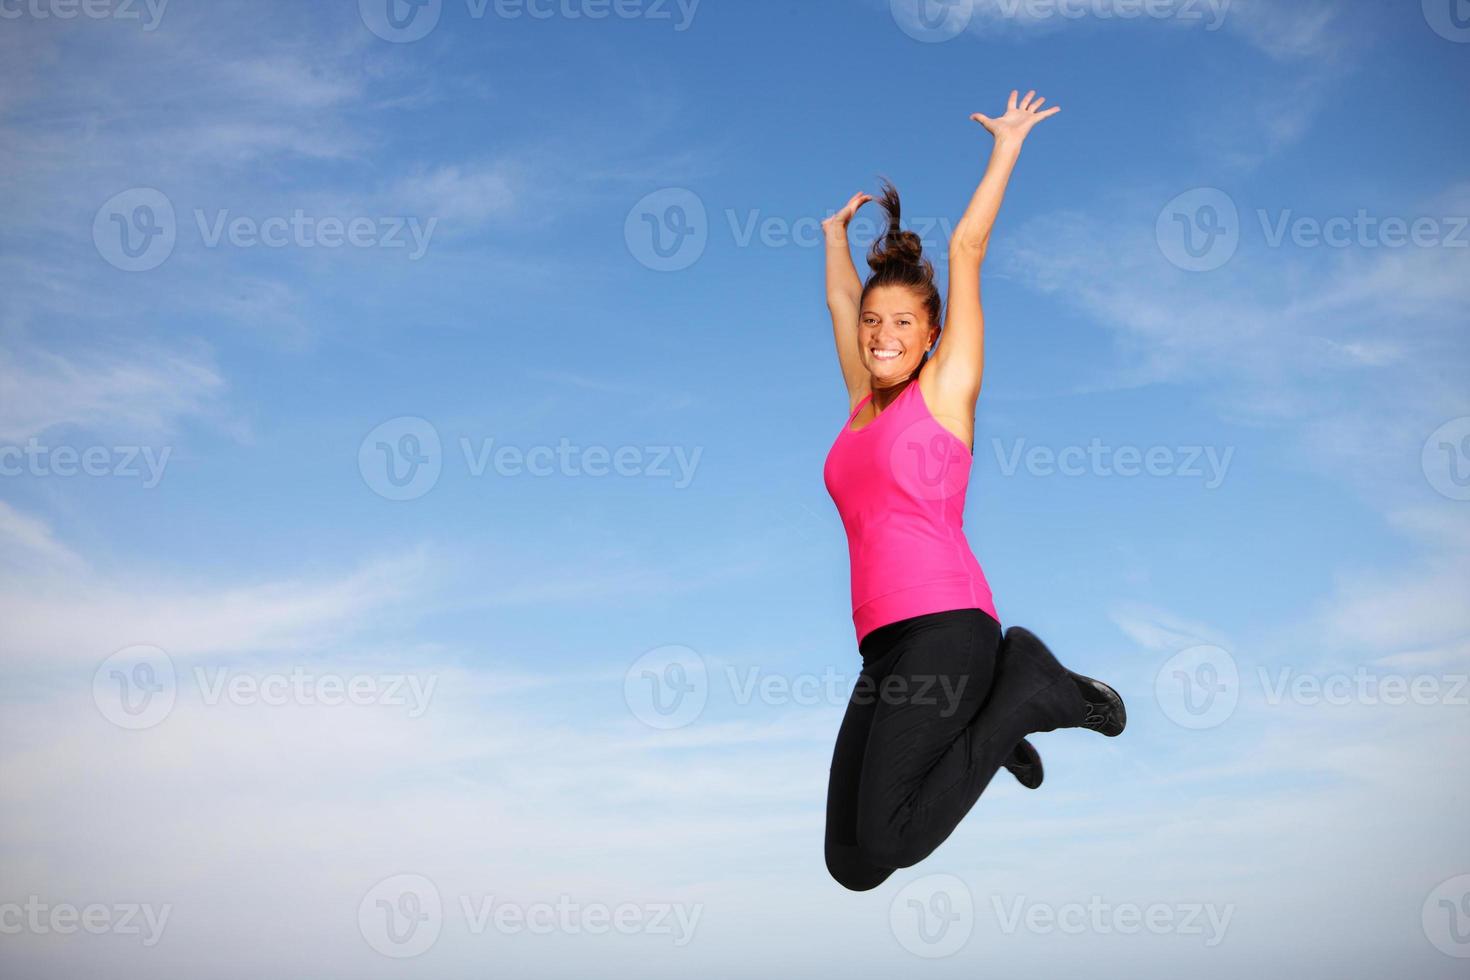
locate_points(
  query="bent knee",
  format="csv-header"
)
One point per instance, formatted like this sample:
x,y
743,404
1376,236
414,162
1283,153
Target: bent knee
x,y
890,850
849,867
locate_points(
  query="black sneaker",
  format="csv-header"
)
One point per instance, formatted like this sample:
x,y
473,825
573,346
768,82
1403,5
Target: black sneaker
x,y
1025,764
1105,711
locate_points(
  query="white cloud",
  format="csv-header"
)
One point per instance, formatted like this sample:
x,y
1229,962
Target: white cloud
x,y
457,195
1352,354
1290,30
58,608
142,393
29,540
1157,629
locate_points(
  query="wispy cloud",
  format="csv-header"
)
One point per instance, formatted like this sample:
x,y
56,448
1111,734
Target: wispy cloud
x,y
58,607
1277,336
141,393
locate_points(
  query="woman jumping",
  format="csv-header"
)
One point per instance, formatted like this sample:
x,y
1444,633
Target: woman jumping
x,y
943,699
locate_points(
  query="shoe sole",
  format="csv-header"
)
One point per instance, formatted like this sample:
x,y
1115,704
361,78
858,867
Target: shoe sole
x,y
1028,762
1115,708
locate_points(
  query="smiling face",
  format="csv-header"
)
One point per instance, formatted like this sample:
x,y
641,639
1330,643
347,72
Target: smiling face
x,y
893,332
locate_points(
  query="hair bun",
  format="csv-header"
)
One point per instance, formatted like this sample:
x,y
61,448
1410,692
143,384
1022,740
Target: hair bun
x,y
896,247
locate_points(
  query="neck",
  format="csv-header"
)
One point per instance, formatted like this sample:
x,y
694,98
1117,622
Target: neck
x,y
883,397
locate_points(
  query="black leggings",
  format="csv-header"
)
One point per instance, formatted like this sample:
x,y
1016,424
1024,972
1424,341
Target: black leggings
x,y
941,702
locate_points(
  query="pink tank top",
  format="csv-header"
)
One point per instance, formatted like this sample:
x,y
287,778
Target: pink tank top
x,y
899,484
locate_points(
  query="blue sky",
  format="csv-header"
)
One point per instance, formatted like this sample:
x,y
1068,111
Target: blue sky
x,y
1304,523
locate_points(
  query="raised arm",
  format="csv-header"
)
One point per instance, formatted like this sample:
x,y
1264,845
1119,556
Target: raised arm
x,y
844,291
959,359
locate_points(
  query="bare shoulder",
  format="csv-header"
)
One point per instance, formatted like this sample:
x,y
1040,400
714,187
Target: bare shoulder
x,y
858,392
952,405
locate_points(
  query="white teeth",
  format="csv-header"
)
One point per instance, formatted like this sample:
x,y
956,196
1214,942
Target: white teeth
x,y
885,355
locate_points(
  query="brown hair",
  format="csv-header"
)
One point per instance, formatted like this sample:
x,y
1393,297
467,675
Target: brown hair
x,y
897,259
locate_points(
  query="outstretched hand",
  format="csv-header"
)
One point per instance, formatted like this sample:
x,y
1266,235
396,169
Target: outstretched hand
x,y
1019,118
